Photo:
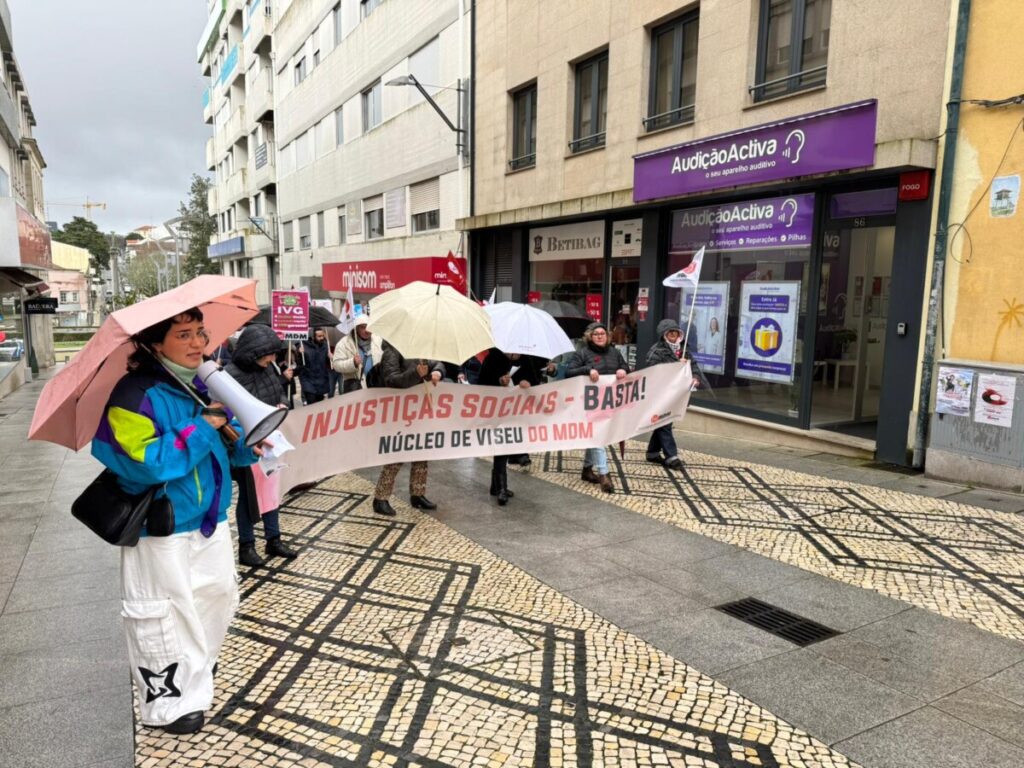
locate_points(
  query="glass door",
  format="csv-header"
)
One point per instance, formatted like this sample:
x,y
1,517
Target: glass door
x,y
623,289
849,345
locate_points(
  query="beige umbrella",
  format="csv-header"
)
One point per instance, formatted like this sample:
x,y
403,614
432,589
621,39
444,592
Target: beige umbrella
x,y
433,322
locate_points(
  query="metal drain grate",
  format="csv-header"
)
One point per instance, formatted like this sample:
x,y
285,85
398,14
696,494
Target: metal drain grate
x,y
778,622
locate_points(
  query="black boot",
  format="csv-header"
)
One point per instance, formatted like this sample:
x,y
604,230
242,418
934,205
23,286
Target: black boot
x,y
276,548
494,485
503,492
189,723
247,555
422,502
383,507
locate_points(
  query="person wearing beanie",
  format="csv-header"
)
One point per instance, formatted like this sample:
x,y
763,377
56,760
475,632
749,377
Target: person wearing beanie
x,y
596,357
254,368
668,349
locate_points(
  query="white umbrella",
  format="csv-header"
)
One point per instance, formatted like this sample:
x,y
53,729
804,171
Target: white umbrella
x,y
524,330
434,322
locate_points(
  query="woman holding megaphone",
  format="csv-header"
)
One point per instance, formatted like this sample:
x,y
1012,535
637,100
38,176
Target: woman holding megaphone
x,y
253,366
178,583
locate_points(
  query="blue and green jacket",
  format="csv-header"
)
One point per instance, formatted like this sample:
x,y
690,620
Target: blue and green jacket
x,y
153,433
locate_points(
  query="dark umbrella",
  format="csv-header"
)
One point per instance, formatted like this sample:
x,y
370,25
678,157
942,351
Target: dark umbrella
x,y
318,317
568,316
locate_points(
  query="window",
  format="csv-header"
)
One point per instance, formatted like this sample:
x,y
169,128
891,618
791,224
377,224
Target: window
x,y
305,241
300,70
325,130
257,204
524,128
374,216
64,297
5,184
673,87
339,125
424,203
304,149
591,103
288,236
316,58
792,46
366,7
320,231
341,230
371,107
336,18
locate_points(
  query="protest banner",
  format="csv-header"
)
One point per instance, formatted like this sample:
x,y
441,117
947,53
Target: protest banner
x,y
371,427
289,314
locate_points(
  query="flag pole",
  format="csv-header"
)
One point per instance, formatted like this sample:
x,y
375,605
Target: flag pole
x,y
689,321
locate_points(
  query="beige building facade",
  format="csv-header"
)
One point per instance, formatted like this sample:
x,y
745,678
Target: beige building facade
x,y
371,180
236,52
794,140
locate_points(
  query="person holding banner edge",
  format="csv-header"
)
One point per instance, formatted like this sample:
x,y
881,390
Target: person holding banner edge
x,y
399,373
497,371
596,357
668,348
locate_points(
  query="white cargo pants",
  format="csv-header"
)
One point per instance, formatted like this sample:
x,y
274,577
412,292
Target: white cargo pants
x,y
179,594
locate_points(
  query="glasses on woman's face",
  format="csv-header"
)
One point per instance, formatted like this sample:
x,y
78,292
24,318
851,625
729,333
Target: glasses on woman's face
x,y
187,337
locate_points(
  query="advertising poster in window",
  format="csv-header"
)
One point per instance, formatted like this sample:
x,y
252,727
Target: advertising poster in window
x,y
710,324
766,340
994,404
953,394
627,238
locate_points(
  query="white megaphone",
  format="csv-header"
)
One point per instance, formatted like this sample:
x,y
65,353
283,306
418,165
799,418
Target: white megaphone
x,y
257,418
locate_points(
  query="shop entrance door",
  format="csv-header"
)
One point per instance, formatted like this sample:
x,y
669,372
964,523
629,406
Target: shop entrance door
x,y
623,288
853,311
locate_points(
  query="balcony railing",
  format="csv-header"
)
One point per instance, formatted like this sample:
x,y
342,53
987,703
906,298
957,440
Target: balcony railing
x,y
587,142
798,81
523,161
678,116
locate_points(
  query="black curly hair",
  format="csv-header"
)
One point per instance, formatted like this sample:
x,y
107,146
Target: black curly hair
x,y
155,334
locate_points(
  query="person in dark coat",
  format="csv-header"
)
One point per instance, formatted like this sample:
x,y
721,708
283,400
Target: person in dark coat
x,y
595,358
399,373
531,371
496,371
668,349
254,368
315,367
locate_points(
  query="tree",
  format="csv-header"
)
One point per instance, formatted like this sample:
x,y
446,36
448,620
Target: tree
x,y
83,233
198,226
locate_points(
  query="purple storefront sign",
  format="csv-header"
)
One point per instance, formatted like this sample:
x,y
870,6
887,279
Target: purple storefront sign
x,y
831,140
774,222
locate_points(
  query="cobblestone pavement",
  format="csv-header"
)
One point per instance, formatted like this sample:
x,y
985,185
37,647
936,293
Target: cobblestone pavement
x,y
960,561
399,642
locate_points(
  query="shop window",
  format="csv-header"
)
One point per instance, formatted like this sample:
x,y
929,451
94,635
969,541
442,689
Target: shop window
x,y
524,128
745,326
792,52
591,103
305,240
673,87
372,107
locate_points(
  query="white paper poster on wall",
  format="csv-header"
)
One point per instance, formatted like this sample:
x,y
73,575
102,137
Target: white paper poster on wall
x,y
766,338
953,391
994,403
627,238
710,324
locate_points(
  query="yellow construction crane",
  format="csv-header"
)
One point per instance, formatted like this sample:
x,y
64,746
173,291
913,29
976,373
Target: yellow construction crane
x,y
88,205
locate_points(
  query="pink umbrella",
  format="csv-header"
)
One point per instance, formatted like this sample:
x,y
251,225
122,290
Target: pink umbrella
x,y
71,404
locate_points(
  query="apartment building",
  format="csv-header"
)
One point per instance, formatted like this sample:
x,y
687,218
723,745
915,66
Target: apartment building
x,y
371,178
25,250
794,140
236,52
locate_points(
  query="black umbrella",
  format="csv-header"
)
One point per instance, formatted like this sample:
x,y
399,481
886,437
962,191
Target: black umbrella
x,y
318,317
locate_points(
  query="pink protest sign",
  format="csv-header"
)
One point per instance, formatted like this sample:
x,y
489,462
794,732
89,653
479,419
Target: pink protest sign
x,y
289,314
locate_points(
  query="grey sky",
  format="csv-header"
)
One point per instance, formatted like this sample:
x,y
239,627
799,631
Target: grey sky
x,y
117,95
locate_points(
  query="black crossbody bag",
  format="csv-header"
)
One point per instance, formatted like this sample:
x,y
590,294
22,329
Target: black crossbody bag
x,y
117,517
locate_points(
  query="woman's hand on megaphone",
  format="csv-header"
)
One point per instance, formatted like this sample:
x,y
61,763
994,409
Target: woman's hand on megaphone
x,y
213,419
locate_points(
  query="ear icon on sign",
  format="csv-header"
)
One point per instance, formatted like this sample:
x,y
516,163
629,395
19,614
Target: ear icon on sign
x,y
794,145
789,209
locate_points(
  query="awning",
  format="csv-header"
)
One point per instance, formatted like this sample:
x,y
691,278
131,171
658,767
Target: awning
x,y
23,278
